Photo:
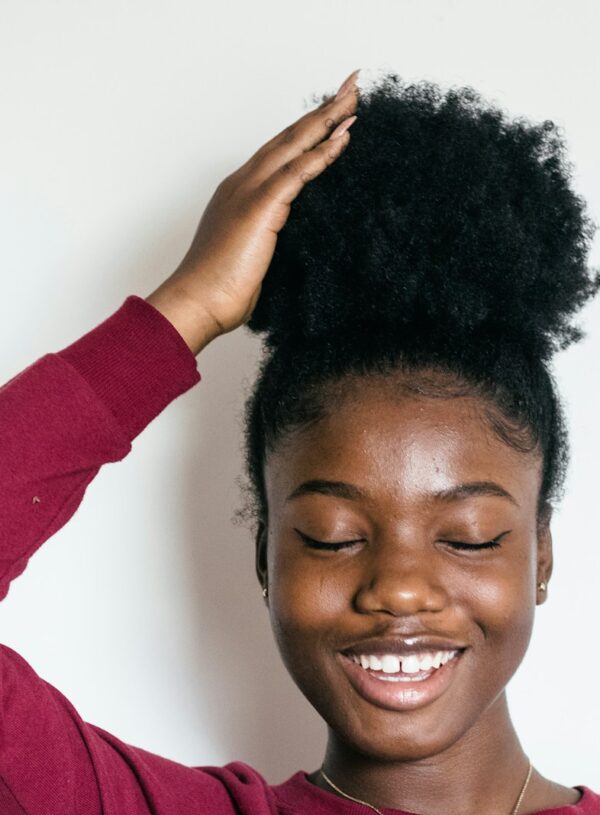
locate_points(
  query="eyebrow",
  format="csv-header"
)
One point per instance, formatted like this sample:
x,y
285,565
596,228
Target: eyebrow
x,y
341,489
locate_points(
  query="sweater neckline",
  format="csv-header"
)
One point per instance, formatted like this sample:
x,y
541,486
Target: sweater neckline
x,y
298,793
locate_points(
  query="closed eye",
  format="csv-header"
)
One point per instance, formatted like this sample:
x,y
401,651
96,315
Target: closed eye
x,y
332,546
491,544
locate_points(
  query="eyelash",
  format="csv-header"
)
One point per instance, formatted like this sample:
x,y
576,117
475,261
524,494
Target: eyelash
x,y
335,547
331,547
493,544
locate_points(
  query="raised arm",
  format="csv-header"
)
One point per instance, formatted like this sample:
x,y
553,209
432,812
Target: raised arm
x,y
217,284
74,410
71,411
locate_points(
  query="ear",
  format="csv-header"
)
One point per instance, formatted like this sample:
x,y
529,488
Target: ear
x,y
545,559
261,554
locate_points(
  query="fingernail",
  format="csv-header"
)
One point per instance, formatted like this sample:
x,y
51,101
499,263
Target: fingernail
x,y
342,127
346,84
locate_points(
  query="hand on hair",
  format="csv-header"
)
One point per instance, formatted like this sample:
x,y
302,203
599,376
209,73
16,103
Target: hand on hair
x,y
216,286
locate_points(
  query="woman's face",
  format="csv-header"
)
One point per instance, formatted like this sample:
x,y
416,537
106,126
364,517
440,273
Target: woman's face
x,y
404,480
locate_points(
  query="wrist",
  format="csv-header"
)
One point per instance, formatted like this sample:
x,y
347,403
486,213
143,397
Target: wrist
x,y
195,325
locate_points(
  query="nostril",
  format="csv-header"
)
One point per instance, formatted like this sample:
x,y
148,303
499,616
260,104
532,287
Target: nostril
x,y
400,595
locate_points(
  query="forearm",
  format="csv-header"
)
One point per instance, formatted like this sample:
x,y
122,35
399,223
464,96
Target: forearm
x,y
72,411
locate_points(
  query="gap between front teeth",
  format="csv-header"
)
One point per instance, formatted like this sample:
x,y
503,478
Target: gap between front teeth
x,y
409,664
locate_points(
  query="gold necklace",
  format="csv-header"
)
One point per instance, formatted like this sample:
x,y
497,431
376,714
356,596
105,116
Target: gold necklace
x,y
515,809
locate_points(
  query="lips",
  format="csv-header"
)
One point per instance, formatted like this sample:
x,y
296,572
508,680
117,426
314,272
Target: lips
x,y
405,644
402,673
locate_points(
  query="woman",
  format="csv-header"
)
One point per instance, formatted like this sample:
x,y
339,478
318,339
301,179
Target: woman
x,y
405,445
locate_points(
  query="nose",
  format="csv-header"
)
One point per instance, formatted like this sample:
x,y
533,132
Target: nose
x,y
401,581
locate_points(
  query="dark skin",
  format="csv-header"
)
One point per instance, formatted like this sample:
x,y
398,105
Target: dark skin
x,y
398,451
459,754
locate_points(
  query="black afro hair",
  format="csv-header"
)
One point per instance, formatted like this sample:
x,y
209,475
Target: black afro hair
x,y
446,236
441,213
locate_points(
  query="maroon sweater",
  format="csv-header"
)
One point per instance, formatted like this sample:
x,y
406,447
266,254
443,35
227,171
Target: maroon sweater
x,y
61,419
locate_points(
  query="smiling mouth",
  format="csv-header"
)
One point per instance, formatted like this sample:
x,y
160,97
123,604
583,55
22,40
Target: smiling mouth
x,y
406,668
401,682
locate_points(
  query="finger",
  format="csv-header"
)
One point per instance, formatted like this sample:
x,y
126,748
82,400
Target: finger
x,y
307,131
303,135
289,179
347,83
328,101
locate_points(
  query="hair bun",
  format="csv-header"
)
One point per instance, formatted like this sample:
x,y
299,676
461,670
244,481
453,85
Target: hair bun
x,y
441,217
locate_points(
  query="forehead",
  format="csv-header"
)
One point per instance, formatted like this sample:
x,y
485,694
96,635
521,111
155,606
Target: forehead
x,y
395,442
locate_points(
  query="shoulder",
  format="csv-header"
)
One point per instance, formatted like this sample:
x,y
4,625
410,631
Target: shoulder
x,y
589,803
245,786
550,798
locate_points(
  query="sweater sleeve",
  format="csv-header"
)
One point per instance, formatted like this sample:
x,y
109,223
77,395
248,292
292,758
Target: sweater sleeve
x,y
71,411
61,419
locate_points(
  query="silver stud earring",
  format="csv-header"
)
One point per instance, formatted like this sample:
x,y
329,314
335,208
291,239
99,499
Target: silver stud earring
x,y
265,592
542,586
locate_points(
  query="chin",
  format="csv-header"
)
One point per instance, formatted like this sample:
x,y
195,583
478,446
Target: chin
x,y
400,737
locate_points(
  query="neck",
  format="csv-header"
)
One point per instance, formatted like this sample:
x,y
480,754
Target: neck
x,y
481,772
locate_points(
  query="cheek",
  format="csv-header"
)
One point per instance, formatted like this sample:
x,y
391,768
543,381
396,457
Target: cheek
x,y
306,596
502,606
310,605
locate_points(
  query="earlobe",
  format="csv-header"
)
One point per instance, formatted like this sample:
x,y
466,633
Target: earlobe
x,y
261,554
545,559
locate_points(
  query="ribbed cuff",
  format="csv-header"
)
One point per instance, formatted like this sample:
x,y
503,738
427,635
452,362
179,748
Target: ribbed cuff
x,y
136,361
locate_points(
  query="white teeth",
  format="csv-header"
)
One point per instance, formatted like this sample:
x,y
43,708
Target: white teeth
x,y
426,662
408,664
390,664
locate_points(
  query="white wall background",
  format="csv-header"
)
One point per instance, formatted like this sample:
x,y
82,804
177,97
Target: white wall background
x,y
118,120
